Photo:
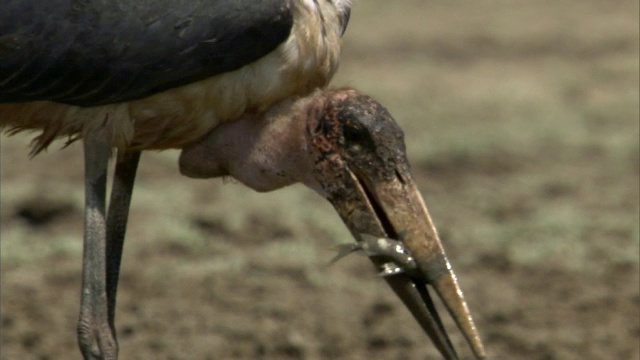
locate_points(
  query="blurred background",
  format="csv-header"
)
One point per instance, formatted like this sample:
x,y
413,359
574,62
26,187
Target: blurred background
x,y
521,122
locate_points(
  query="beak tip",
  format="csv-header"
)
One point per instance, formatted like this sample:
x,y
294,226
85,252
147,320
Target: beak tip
x,y
449,291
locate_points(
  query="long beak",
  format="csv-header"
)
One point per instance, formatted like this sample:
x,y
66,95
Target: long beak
x,y
394,208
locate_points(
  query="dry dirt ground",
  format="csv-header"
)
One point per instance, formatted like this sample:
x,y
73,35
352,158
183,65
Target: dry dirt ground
x,y
521,122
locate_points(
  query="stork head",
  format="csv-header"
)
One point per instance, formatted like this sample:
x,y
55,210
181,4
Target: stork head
x,y
347,147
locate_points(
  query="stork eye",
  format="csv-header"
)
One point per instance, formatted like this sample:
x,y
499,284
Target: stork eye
x,y
353,135
357,138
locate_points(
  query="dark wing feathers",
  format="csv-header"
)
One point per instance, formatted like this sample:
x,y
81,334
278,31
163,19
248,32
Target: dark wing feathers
x,y
91,52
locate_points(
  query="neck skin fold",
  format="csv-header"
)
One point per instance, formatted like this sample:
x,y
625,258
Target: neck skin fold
x,y
263,151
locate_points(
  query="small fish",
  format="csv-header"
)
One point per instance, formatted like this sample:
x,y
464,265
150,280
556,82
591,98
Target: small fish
x,y
400,262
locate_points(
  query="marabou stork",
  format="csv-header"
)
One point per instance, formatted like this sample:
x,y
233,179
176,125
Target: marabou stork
x,y
240,87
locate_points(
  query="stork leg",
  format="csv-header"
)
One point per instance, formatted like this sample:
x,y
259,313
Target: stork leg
x,y
95,337
103,240
123,180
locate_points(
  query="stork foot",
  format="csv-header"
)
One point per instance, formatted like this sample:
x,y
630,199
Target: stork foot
x,y
96,340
